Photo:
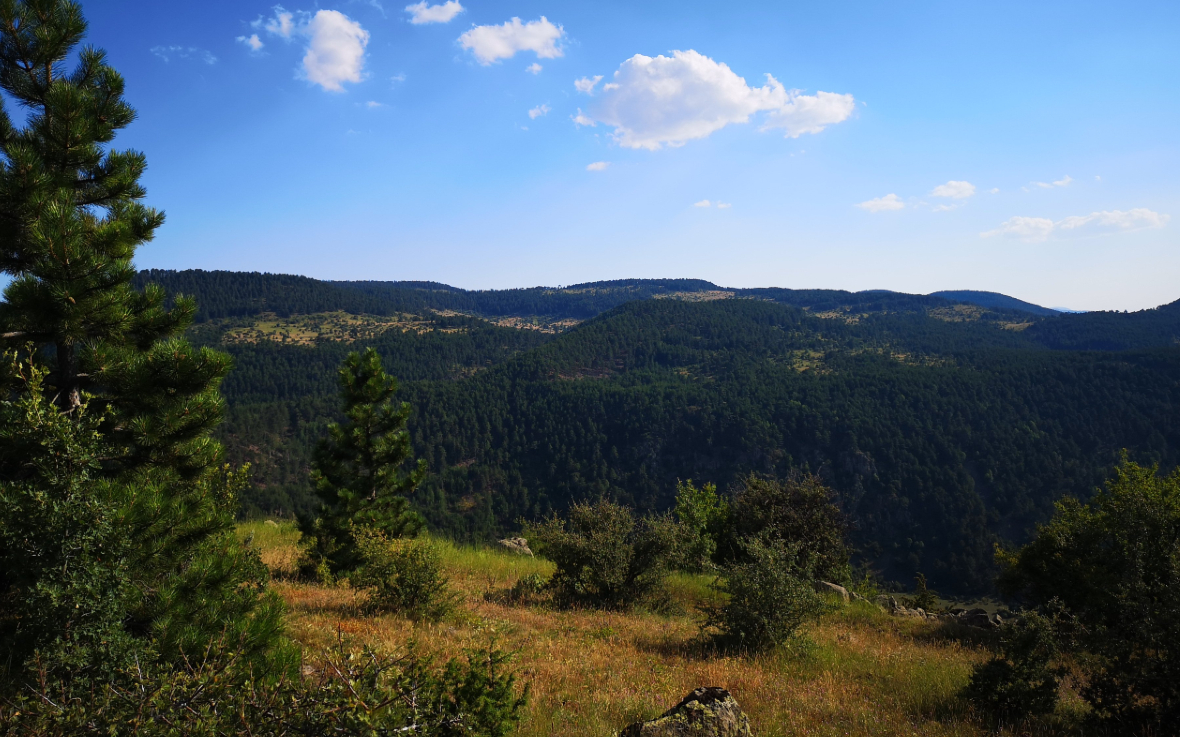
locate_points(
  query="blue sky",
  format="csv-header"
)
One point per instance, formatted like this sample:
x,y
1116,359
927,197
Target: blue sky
x,y
1027,148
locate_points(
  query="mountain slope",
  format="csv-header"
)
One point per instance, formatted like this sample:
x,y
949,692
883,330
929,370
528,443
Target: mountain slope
x,y
994,300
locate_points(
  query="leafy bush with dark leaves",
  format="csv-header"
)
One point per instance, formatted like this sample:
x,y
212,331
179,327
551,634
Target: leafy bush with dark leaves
x,y
704,517
799,509
1024,679
1114,564
605,556
769,596
350,694
402,575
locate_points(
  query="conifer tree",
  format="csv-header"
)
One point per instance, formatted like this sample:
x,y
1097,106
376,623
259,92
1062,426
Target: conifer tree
x,y
358,469
71,220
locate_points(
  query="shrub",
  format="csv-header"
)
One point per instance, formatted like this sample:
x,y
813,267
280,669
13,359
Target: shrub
x,y
1024,679
404,576
799,509
770,595
605,556
350,694
1115,565
924,597
704,518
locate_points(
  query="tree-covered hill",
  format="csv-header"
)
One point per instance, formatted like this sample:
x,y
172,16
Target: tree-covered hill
x,y
944,427
994,300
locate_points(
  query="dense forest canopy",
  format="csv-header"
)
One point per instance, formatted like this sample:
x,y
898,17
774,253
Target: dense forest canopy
x,y
944,426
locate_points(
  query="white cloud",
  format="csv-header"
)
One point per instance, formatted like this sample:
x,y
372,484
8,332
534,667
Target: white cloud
x,y
659,101
534,68
398,78
168,53
281,24
724,205
954,190
598,166
421,13
582,119
994,190
492,43
252,41
1062,182
538,111
702,203
882,204
335,50
1036,230
373,104
585,85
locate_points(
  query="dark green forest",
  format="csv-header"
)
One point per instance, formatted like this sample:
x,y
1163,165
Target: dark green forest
x,y
944,427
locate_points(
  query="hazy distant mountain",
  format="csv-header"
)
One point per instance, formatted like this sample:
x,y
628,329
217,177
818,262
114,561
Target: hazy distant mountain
x,y
994,301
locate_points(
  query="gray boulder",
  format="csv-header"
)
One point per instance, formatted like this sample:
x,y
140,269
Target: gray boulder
x,y
518,545
706,712
824,587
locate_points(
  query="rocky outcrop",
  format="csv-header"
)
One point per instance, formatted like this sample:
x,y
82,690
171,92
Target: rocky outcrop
x,y
824,587
518,545
706,712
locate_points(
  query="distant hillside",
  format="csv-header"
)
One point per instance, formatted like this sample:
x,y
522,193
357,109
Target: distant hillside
x,y
994,300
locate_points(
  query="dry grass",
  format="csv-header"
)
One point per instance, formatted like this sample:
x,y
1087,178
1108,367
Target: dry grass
x,y
859,672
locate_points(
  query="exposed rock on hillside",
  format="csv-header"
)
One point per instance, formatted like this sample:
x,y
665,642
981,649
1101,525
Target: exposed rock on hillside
x,y
706,712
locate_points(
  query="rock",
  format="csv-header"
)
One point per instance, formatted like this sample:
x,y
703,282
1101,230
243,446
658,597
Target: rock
x,y
886,602
982,620
824,587
518,545
706,712
856,597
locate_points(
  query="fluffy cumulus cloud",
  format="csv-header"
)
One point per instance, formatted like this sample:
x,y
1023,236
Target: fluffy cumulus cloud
x,y
670,100
883,204
598,166
1036,230
534,68
422,13
336,44
703,203
538,111
492,43
954,190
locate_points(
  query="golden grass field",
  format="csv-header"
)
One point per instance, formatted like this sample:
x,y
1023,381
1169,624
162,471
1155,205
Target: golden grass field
x,y
859,671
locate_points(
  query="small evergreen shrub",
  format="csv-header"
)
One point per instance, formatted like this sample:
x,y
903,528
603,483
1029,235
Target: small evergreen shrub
x,y
769,596
1025,678
924,598
605,556
403,575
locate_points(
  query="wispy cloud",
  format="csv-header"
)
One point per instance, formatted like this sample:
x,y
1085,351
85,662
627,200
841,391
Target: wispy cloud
x,y
1036,230
702,203
598,166
168,53
586,85
882,204
252,42
538,111
422,13
534,68
1062,182
492,43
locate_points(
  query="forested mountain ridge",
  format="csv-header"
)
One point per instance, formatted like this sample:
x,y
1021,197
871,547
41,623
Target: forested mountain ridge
x,y
944,427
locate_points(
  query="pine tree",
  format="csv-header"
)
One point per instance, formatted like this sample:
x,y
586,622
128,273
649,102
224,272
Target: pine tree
x,y
358,469
71,220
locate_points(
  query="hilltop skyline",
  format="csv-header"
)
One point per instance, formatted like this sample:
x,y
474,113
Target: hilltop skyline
x,y
1028,151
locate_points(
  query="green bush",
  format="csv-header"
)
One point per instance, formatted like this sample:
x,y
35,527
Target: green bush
x,y
924,597
704,517
605,556
1114,564
769,596
799,509
1024,679
349,694
403,575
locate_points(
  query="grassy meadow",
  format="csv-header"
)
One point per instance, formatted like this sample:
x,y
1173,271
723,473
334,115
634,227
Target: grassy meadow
x,y
858,671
